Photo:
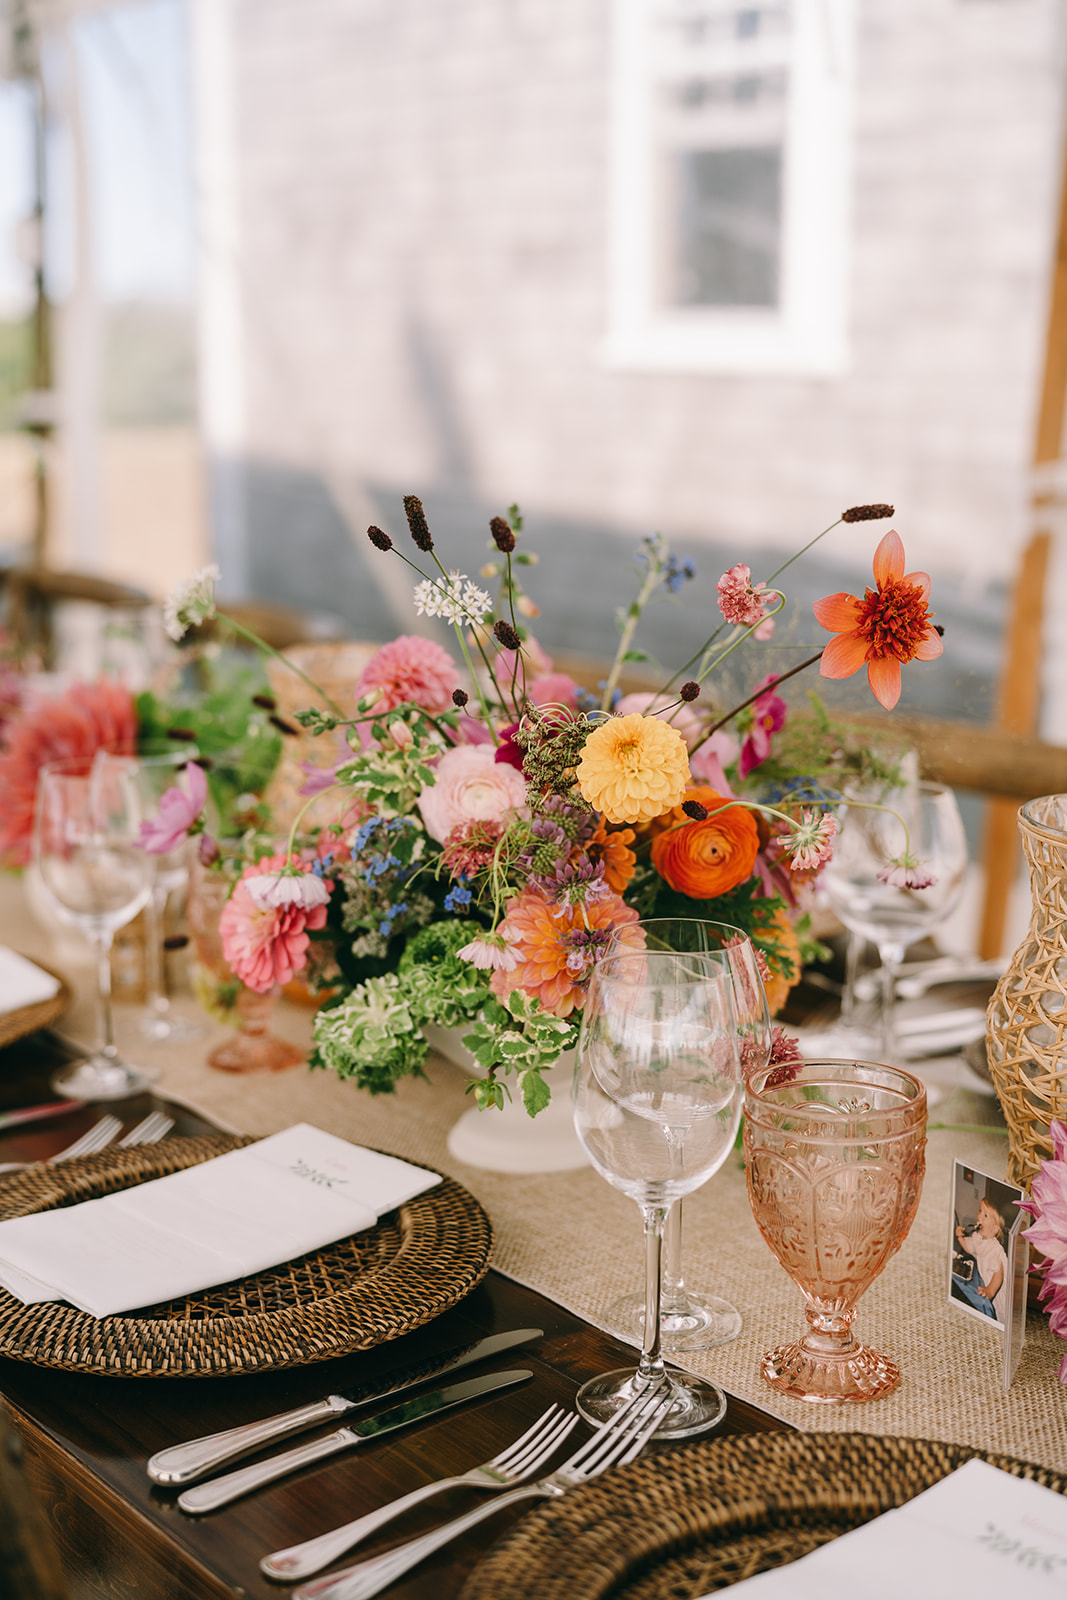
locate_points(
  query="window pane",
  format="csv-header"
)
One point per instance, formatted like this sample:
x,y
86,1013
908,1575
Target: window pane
x,y
729,226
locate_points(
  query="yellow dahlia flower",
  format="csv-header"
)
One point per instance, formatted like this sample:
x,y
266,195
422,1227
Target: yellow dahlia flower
x,y
633,768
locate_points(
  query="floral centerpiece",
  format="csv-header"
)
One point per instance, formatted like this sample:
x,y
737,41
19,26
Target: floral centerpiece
x,y
498,824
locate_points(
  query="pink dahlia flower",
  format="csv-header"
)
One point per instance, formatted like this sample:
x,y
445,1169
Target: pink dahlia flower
x,y
409,668
178,810
267,944
470,786
85,718
557,946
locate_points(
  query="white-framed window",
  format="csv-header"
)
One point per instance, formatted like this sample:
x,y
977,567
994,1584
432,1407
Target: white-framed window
x,y
728,204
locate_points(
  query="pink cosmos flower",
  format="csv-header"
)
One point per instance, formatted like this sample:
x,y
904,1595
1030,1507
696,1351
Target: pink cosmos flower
x,y
470,786
277,891
409,668
1048,1232
708,760
740,600
768,716
553,689
682,718
265,945
85,718
178,810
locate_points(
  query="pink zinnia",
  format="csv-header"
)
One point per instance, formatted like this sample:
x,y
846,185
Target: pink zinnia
x,y
265,945
740,600
409,668
85,718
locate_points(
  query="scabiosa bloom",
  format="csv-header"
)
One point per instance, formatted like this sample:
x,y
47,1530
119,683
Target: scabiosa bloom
x,y
1048,1232
906,872
455,598
179,809
489,952
556,947
740,600
85,718
784,1060
811,843
409,668
191,602
889,627
470,846
265,945
633,768
768,715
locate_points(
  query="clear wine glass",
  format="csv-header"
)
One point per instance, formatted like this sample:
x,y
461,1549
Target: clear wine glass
x,y
692,1320
90,861
154,775
923,819
657,1102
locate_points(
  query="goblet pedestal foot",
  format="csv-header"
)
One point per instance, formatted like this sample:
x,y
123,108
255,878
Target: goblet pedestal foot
x,y
101,1077
698,1405
807,1370
255,1052
698,1322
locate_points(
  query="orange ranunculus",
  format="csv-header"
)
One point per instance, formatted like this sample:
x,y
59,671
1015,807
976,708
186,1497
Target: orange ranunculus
x,y
703,859
783,963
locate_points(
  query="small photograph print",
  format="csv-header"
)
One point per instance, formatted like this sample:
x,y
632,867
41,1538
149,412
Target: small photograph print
x,y
984,1215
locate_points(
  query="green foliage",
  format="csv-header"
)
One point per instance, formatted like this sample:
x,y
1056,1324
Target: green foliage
x,y
517,1037
372,1035
442,987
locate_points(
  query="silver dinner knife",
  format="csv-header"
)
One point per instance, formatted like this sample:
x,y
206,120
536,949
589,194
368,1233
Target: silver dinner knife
x,y
232,1485
183,1463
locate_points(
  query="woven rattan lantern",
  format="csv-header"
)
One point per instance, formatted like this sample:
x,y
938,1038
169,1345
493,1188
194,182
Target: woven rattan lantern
x,y
1027,1017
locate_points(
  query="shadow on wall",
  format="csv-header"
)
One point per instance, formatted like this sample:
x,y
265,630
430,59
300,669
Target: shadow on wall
x,y
302,552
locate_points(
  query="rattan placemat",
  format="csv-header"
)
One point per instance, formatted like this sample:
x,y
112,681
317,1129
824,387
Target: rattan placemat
x,y
27,1019
684,1522
376,1285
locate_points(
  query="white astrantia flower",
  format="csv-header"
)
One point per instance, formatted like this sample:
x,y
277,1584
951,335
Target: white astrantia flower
x,y
275,891
455,598
191,603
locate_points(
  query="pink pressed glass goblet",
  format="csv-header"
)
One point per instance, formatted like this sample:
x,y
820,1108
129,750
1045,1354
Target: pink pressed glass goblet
x,y
834,1160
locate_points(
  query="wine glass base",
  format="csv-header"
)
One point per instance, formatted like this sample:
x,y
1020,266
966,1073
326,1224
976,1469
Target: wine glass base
x,y
169,1028
698,1404
102,1077
858,1373
696,1322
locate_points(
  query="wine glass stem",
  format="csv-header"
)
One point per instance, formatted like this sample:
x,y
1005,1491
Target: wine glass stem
x,y
891,956
155,995
651,1369
102,944
672,1294
853,950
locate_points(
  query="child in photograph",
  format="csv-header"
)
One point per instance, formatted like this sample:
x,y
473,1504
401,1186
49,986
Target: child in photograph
x,y
987,1248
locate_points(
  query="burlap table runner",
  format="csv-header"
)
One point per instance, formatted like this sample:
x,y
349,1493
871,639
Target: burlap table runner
x,y
575,1239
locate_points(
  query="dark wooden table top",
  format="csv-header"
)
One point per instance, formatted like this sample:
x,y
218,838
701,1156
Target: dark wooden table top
x,y
87,1439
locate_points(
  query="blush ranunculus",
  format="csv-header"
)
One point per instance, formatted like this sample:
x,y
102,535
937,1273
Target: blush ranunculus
x,y
704,859
470,786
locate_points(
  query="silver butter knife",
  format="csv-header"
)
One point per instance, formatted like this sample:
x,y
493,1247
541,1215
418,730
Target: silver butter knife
x,y
232,1485
183,1463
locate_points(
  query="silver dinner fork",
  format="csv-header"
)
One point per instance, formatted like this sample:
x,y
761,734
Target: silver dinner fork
x,y
503,1471
616,1443
155,1126
99,1136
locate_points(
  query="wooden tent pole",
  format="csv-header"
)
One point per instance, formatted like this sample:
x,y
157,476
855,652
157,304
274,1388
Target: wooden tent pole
x,y
1019,699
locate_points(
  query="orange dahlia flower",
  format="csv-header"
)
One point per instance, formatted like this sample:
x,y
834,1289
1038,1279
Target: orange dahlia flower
x,y
889,627
558,944
704,859
783,962
612,847
633,768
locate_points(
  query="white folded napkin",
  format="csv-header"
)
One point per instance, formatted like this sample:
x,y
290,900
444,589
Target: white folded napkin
x,y
227,1218
22,983
980,1532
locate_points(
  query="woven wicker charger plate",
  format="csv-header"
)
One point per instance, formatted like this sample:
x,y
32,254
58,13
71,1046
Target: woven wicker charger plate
x,y
682,1523
419,1260
27,1019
